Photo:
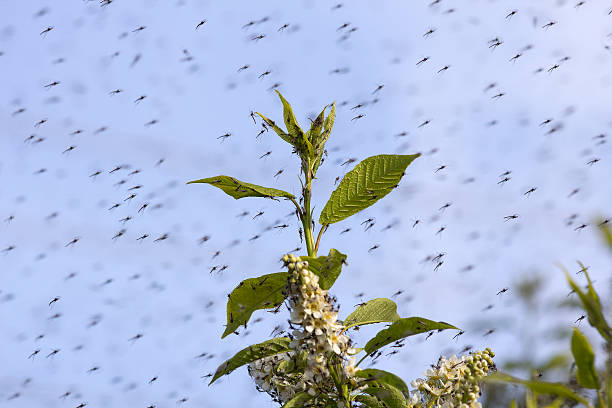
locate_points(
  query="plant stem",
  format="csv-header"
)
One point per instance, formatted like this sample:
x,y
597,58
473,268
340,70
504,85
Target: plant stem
x,y
306,214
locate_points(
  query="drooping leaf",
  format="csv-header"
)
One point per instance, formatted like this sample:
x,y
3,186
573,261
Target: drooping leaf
x,y
389,395
327,268
252,353
369,401
407,326
240,189
386,378
375,311
537,386
283,135
368,182
298,400
253,294
584,357
590,303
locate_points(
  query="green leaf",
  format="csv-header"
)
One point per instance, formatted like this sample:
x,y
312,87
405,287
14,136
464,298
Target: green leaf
x,y
265,292
585,361
513,404
537,386
292,126
328,125
284,135
590,303
407,326
369,401
239,189
252,353
386,378
389,395
327,268
298,400
591,290
368,182
314,134
299,138
319,146
375,311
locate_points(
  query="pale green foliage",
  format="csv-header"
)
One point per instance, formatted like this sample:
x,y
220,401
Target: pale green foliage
x,y
584,357
586,372
538,386
590,303
368,182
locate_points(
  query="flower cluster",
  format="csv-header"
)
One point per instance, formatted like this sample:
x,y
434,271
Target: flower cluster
x,y
321,355
453,382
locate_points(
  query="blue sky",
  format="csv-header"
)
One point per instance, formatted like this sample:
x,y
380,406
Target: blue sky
x,y
196,93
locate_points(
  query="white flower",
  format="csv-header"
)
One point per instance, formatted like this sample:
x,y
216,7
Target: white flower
x,y
320,334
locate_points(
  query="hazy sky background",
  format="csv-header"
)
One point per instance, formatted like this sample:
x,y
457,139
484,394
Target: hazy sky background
x,y
112,289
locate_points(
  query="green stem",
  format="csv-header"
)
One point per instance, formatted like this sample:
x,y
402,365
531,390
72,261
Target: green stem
x,y
306,214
